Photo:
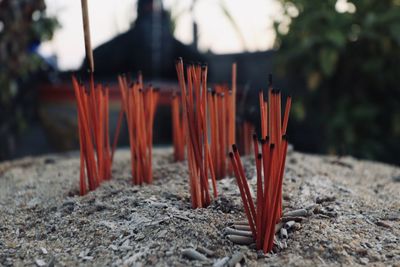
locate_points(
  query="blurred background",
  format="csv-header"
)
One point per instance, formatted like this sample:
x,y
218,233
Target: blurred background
x,y
339,59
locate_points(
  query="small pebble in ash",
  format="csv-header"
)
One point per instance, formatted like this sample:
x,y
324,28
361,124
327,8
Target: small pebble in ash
x,y
40,263
43,250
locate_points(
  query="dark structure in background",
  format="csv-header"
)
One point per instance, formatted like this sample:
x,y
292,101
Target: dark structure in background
x,y
149,46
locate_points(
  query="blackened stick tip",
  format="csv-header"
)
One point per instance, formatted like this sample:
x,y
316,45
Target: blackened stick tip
x,y
234,148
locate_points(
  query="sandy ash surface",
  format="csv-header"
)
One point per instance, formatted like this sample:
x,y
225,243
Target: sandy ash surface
x,y
43,222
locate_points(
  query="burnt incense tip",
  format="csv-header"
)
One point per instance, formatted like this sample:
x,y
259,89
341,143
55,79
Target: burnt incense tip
x,y
278,91
285,137
255,136
262,141
234,148
259,156
231,154
204,66
272,146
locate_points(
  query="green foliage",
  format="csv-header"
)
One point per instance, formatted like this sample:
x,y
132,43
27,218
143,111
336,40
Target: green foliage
x,y
23,24
347,55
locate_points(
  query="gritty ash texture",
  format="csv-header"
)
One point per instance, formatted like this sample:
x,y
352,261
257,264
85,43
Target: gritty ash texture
x,y
353,215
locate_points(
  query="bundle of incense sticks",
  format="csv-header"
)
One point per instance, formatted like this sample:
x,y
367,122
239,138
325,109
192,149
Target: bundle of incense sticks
x,y
93,125
270,165
194,104
178,130
139,105
222,113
